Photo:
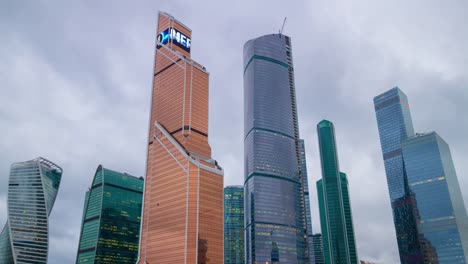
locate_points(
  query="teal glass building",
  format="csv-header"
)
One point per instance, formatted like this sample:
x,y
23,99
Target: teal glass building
x,y
32,189
275,219
234,225
110,227
428,209
339,245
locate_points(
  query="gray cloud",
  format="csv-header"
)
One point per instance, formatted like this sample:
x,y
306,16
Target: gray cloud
x,y
76,80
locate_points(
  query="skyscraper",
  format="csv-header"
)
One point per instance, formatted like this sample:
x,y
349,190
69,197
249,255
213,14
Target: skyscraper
x,y
440,212
183,200
339,245
111,219
395,125
428,209
234,225
32,189
305,184
318,248
275,228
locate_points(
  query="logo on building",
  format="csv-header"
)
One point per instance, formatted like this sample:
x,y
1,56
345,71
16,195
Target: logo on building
x,y
177,38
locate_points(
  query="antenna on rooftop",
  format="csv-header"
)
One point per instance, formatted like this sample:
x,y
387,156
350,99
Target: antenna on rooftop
x,y
282,27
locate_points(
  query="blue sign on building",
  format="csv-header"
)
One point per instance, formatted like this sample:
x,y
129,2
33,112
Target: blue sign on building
x,y
177,37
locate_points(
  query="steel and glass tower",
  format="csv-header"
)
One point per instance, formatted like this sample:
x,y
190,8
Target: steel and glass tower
x,y
32,189
305,184
275,224
183,200
428,210
318,249
339,245
395,125
111,219
440,210
234,225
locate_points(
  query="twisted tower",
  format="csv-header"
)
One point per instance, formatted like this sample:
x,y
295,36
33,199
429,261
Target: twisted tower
x,y
32,190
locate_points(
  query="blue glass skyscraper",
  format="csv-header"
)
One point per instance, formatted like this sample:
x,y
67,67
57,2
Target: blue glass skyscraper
x,y
440,212
428,210
318,249
395,125
275,229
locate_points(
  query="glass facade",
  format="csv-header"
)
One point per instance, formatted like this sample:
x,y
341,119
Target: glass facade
x,y
428,210
305,184
234,225
395,125
32,189
318,249
275,220
339,245
440,211
348,217
6,255
111,219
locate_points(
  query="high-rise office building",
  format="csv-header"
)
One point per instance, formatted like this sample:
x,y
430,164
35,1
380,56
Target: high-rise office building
x,y
428,209
234,225
110,227
348,217
183,200
339,245
305,184
395,125
440,211
318,248
275,228
32,189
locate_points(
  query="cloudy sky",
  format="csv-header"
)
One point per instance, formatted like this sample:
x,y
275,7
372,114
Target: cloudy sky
x,y
75,80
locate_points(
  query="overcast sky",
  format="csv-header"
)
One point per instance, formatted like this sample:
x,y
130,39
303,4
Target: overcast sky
x,y
75,80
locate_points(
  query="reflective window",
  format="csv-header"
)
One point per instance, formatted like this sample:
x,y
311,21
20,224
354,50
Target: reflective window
x,y
111,223
32,189
234,225
275,221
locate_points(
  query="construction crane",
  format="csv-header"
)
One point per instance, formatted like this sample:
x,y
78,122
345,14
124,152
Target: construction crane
x,y
282,27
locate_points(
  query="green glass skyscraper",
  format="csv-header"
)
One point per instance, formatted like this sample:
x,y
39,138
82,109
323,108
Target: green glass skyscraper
x,y
234,225
111,219
339,246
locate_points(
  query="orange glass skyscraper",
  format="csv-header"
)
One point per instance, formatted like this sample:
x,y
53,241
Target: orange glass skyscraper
x,y
183,202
